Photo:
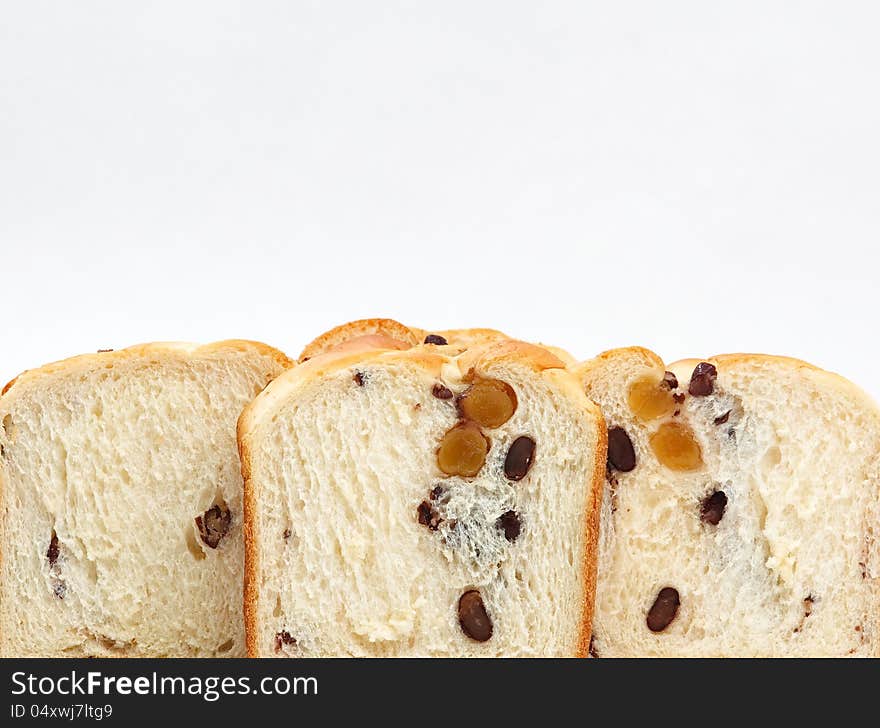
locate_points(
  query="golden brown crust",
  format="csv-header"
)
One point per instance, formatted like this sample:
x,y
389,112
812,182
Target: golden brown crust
x,y
495,350
409,335
251,588
354,329
9,384
591,550
560,354
470,337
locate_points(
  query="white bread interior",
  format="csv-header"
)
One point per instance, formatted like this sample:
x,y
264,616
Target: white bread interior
x,y
116,454
337,560
793,566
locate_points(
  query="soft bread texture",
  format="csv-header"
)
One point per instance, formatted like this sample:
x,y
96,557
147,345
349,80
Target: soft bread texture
x,y
793,566
337,456
107,461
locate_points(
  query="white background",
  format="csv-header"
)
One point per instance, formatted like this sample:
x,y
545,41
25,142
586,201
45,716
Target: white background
x,y
695,177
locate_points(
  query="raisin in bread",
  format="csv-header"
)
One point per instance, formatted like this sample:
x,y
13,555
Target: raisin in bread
x,y
424,500
741,511
121,502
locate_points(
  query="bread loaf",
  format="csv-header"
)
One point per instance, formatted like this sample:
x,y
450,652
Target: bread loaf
x,y
412,499
741,510
121,518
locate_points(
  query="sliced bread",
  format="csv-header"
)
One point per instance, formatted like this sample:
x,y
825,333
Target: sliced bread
x,y
741,511
411,499
121,518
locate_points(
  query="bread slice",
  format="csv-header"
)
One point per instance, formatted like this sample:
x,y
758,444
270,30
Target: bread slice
x,y
122,504
741,512
358,544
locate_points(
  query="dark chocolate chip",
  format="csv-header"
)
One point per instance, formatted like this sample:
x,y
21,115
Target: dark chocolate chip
x,y
621,454
678,398
509,522
703,380
441,392
663,610
359,378
472,616
283,638
434,339
428,516
670,381
712,507
52,552
436,492
214,524
594,653
519,458
723,418
286,534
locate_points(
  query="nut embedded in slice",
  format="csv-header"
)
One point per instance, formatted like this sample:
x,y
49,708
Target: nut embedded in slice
x,y
663,610
472,616
703,380
650,399
621,453
519,458
463,450
488,402
676,447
